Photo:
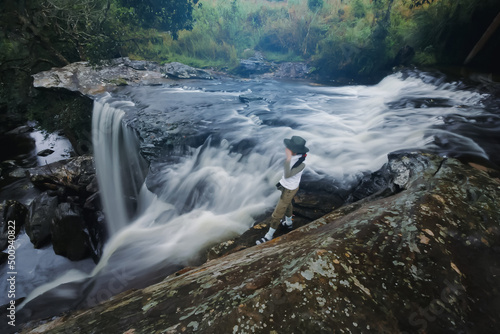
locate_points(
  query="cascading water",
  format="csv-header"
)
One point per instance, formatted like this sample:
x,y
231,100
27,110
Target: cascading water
x,y
225,178
121,168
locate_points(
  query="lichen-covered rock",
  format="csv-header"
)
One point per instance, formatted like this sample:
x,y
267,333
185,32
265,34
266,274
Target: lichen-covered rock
x,y
93,81
181,71
73,175
425,259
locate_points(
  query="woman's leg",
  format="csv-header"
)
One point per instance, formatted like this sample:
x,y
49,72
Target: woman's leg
x,y
284,204
283,207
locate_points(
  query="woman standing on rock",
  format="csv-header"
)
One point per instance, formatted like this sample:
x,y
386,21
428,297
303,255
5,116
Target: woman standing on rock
x,y
289,184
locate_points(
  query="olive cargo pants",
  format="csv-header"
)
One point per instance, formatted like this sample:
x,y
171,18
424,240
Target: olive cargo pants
x,y
284,207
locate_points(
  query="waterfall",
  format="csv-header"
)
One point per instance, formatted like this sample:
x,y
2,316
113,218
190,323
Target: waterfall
x,y
121,169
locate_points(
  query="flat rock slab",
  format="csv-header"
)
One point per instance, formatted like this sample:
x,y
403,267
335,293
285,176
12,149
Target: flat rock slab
x,y
426,258
95,80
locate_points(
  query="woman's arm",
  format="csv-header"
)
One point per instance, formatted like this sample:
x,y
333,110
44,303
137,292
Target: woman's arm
x,y
291,172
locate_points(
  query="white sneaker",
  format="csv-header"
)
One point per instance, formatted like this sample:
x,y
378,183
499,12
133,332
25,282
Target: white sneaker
x,y
262,240
285,224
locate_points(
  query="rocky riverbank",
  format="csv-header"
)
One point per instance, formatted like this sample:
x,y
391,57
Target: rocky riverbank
x,y
419,255
93,81
66,213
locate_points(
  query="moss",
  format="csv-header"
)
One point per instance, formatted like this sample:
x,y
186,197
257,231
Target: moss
x,y
119,82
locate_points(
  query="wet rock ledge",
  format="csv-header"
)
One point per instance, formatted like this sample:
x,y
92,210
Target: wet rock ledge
x,y
426,258
92,81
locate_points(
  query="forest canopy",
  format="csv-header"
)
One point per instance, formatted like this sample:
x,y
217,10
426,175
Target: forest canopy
x,y
355,37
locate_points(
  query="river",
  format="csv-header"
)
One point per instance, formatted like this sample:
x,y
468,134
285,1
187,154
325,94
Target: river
x,y
185,165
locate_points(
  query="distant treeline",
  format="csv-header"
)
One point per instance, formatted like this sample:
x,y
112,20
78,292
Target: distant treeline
x,y
350,38
354,37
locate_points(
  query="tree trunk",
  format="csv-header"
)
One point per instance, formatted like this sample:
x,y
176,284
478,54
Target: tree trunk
x,y
484,39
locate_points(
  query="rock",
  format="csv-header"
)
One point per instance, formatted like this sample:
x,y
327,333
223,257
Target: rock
x,y
95,225
8,164
252,66
79,229
69,238
181,71
425,259
18,173
14,217
23,129
40,215
292,70
93,186
139,65
256,65
246,98
45,152
73,175
93,81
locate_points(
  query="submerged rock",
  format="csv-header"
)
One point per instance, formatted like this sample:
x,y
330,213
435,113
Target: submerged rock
x,y
424,259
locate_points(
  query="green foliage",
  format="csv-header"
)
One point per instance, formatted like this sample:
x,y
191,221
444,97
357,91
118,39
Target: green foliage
x,y
418,3
358,8
448,29
315,5
355,37
163,15
358,44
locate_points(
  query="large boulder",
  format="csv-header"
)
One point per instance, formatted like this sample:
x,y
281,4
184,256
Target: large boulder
x,y
79,225
292,70
40,214
93,81
71,176
425,259
181,71
69,234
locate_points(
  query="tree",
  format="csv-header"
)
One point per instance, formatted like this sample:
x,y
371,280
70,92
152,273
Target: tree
x,y
418,3
315,5
164,15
